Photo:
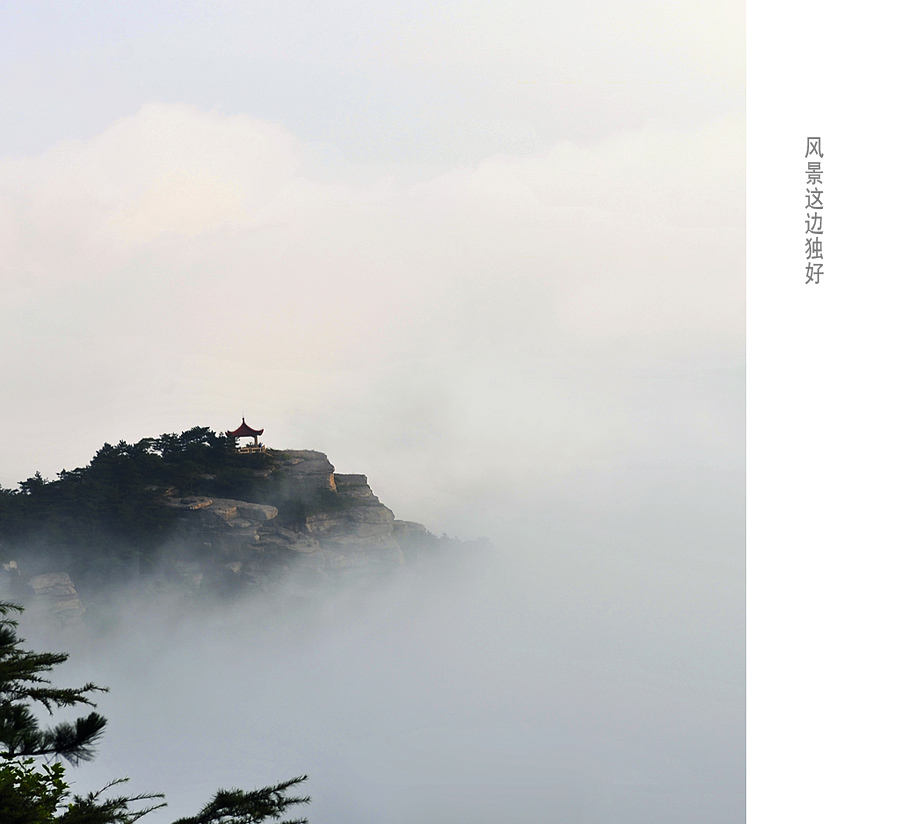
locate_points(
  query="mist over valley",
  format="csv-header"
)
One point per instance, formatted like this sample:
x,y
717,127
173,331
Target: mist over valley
x,y
572,664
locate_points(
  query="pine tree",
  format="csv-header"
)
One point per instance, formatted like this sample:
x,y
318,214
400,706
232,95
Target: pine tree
x,y
22,685
250,807
39,794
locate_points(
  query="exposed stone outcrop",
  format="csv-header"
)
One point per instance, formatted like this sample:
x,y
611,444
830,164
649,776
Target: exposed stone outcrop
x,y
55,598
304,471
324,525
305,524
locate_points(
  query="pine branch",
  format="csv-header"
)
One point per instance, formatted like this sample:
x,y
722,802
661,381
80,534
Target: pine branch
x,y
20,736
250,807
22,683
90,809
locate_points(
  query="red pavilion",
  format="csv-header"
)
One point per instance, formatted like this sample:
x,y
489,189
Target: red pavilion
x,y
244,431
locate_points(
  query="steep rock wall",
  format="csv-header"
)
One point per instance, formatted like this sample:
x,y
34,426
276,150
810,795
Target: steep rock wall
x,y
321,523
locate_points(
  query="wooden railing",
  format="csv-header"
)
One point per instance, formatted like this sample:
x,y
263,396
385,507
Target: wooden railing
x,y
252,448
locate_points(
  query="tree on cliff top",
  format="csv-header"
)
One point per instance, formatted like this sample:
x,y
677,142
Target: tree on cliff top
x,y
101,520
32,794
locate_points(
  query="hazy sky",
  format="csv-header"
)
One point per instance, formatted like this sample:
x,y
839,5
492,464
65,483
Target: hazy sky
x,y
490,255
364,226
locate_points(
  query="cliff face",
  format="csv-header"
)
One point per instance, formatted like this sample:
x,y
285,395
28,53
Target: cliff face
x,y
314,521
52,597
291,518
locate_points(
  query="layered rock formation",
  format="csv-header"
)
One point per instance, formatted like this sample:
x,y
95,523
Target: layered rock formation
x,y
323,524
56,599
52,597
296,521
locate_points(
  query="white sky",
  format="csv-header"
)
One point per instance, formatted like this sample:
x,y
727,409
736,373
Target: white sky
x,y
354,223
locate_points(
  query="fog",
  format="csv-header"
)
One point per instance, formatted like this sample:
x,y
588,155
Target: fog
x,y
182,268
490,256
560,681
591,668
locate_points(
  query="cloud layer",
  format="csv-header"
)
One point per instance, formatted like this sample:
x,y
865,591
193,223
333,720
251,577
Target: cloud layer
x,y
186,266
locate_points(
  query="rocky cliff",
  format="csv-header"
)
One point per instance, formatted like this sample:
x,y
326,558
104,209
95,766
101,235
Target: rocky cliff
x,y
294,519
322,523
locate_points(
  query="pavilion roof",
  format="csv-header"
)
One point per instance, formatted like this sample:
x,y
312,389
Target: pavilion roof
x,y
244,431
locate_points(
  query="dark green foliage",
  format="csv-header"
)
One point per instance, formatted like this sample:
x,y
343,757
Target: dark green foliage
x,y
30,794
240,807
328,500
106,519
291,509
39,794
93,808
